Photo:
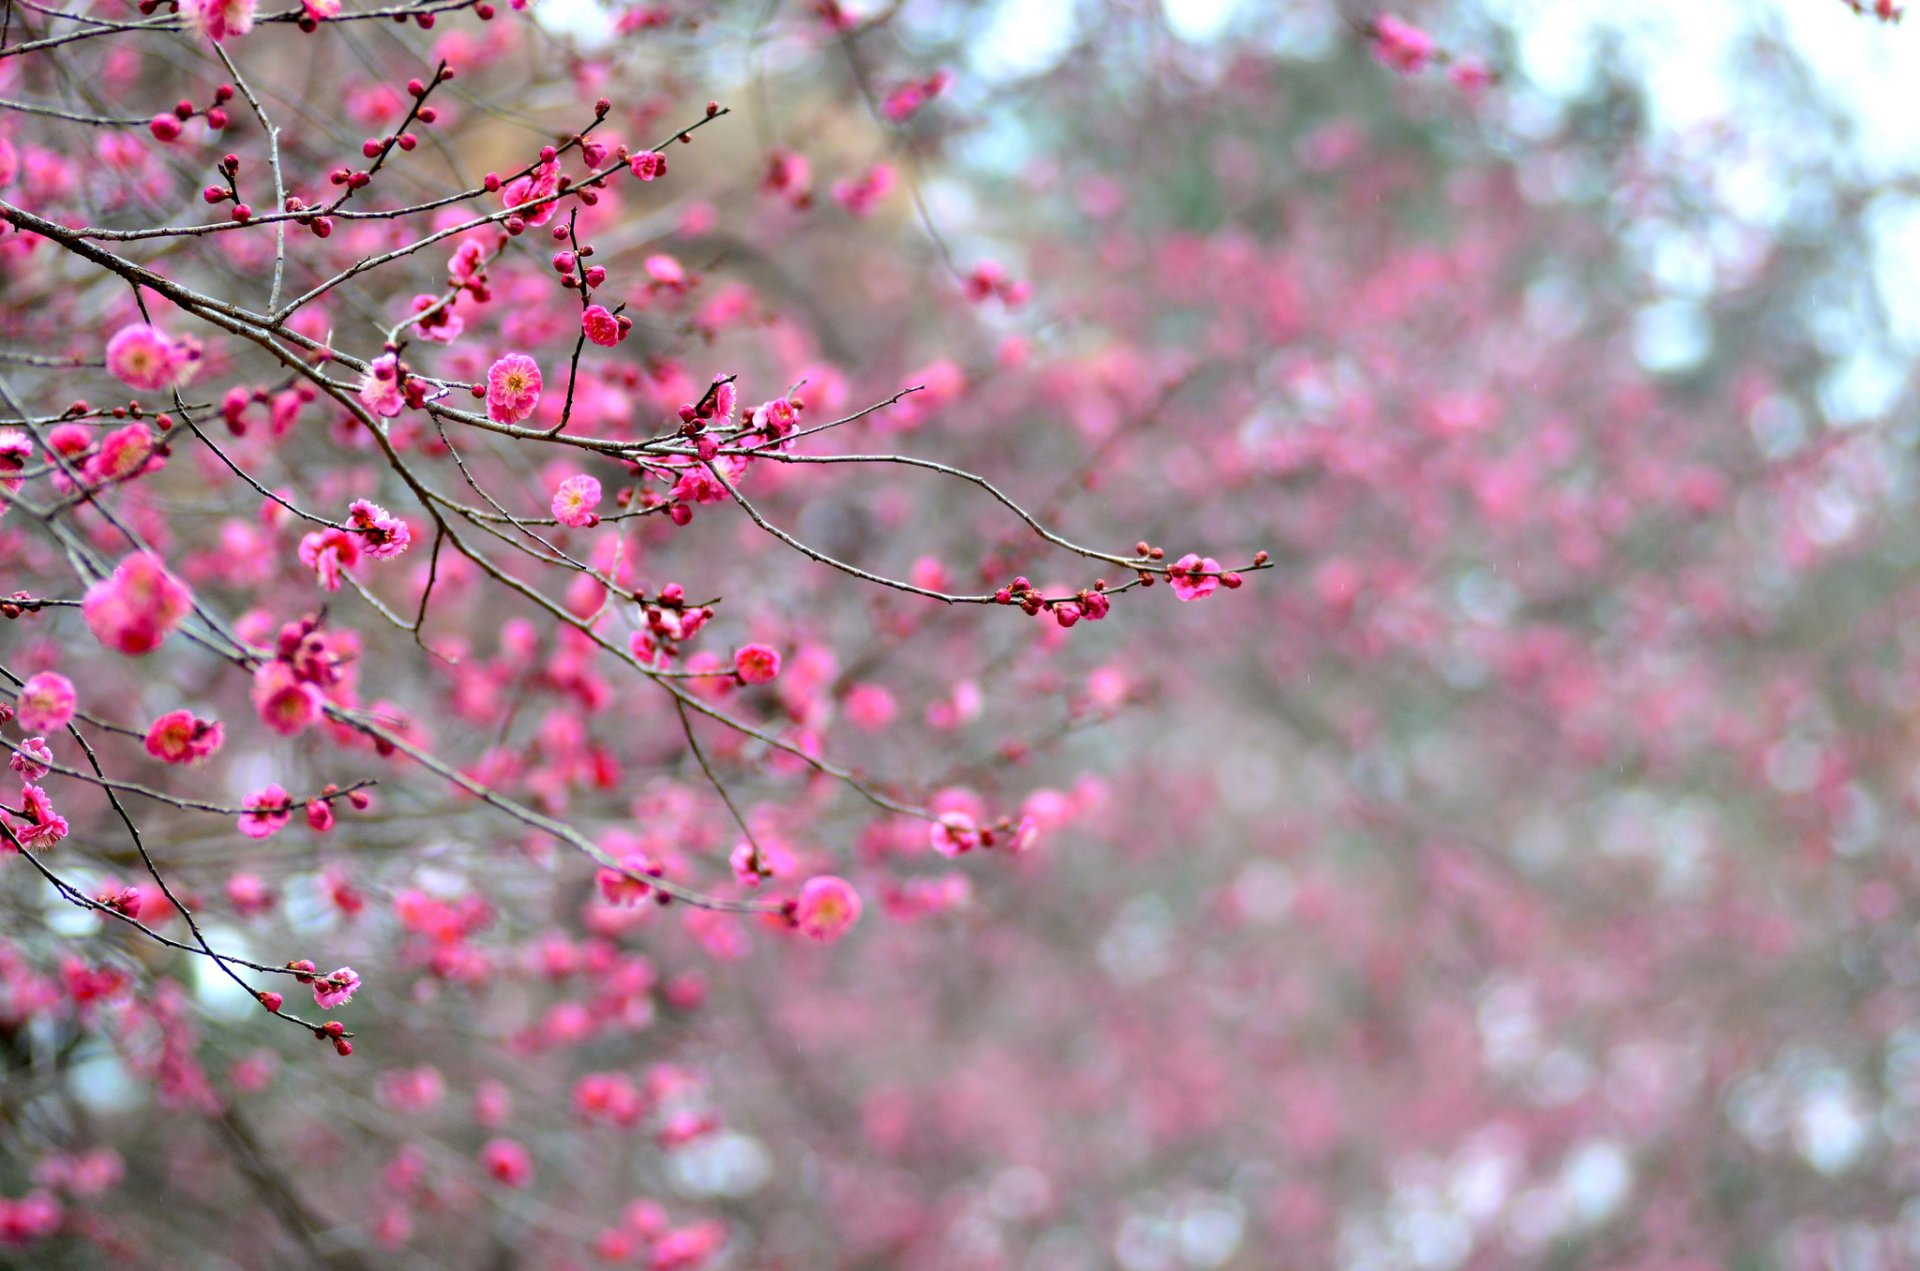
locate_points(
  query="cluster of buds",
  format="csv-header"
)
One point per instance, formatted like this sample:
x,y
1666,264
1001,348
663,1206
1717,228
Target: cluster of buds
x,y
413,391
989,280
570,264
166,126
1090,603
12,607
229,169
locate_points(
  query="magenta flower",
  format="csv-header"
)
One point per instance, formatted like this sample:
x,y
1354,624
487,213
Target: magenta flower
x,y
513,388
756,663
574,502
827,907
267,812
1194,577
47,702
32,759
147,358
135,608
183,737
382,535
336,989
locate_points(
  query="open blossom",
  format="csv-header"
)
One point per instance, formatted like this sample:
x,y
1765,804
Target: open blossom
x,y
44,826
47,702
336,989
380,387
382,535
123,454
1194,577
601,326
513,388
826,908
136,607
147,358
267,812
1401,45
954,833
648,164
183,737
329,553
287,704
756,663
32,759
15,449
574,502
218,19
541,182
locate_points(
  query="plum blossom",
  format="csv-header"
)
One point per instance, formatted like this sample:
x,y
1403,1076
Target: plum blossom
x,y
513,388
380,387
330,553
756,663
1401,45
574,502
1194,577
287,704
218,19
47,702
182,737
601,326
267,812
44,826
136,607
826,908
506,1162
336,989
32,759
147,358
954,834
647,165
382,535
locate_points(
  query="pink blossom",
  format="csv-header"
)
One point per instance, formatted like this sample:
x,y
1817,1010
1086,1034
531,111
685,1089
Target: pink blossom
x,y
218,19
862,194
44,826
1194,577
124,453
827,906
756,663
513,388
336,989
539,184
954,834
601,327
321,10
287,704
329,553
648,164
183,737
32,760
146,358
382,535
267,812
249,895
574,502
380,387
1401,45
135,608
507,1162
47,702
